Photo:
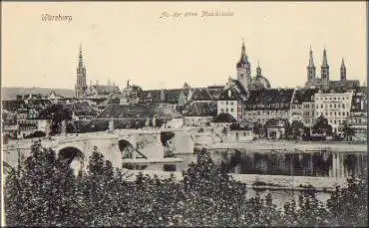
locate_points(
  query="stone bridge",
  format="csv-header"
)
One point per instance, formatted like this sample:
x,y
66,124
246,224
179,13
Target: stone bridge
x,y
143,144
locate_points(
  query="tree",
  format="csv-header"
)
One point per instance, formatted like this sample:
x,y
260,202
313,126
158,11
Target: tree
x,y
347,130
57,113
350,205
297,128
321,126
258,128
41,192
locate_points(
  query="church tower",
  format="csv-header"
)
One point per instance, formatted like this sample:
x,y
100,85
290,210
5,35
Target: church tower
x,y
81,85
343,70
244,68
325,67
311,67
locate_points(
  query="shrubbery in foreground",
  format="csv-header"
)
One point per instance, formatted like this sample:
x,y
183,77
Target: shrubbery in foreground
x,y
44,192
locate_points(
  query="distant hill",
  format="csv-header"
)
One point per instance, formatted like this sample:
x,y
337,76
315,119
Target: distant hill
x,y
10,93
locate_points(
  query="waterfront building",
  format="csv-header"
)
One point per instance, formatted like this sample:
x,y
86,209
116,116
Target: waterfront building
x,y
240,132
334,106
232,98
267,104
302,106
357,120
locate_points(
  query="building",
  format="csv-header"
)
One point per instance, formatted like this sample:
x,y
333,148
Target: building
x,y
276,128
324,81
200,113
267,104
302,106
357,120
334,106
101,91
232,98
81,84
244,73
223,120
240,132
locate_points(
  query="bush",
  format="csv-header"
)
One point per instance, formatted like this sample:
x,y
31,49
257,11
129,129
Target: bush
x,y
44,192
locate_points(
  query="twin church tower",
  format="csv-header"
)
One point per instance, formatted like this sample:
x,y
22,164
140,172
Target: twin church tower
x,y
324,80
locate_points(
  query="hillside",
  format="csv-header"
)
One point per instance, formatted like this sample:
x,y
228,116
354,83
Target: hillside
x,y
9,93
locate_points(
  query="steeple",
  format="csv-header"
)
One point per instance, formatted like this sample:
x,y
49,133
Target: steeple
x,y
81,85
244,68
244,57
325,67
80,62
258,70
325,61
311,67
311,58
343,70
243,52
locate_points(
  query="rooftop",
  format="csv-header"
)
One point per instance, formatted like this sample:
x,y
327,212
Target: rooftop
x,y
278,99
139,111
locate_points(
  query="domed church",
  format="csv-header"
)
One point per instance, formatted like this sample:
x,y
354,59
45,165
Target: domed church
x,y
244,74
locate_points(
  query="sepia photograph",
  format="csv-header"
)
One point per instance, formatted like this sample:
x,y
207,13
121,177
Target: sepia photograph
x,y
184,114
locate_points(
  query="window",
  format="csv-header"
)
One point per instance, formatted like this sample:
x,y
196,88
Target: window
x,y
343,113
334,105
330,105
335,113
226,102
231,102
321,106
339,113
335,122
338,105
232,109
330,113
226,109
343,105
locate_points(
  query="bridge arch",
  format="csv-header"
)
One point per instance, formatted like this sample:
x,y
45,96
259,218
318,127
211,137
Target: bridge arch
x,y
73,157
126,147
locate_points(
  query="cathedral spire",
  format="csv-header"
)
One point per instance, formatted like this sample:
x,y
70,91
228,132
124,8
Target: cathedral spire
x,y
343,70
81,84
80,63
311,66
325,67
325,61
311,58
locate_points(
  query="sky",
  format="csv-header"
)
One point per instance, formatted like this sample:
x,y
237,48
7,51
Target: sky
x,y
129,41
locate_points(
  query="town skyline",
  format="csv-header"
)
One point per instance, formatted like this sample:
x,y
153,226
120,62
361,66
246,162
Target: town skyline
x,y
166,53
